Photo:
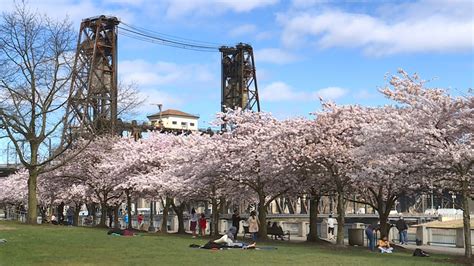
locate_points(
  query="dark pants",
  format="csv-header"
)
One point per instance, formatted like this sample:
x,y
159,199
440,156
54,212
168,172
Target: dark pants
x,y
371,238
236,231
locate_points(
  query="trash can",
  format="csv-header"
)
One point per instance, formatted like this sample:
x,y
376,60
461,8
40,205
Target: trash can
x,y
356,237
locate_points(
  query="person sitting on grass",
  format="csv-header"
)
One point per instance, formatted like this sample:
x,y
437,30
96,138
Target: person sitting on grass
x,y
384,245
226,241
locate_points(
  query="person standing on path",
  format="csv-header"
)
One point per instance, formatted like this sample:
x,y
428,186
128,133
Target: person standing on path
x,y
369,232
236,222
253,225
193,222
202,224
331,223
402,230
140,221
61,213
70,216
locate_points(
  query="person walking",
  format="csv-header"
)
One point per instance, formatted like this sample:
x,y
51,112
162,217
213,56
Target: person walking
x,y
253,225
140,221
369,232
331,223
202,224
111,216
236,222
70,216
193,222
402,230
61,213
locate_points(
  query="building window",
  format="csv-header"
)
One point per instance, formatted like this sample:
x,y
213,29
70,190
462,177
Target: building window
x,y
174,122
191,124
183,123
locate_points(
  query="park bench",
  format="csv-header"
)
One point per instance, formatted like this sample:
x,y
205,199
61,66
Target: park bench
x,y
273,232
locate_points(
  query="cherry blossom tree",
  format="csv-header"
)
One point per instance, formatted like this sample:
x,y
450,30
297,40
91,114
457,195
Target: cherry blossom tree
x,y
443,133
256,144
335,128
386,166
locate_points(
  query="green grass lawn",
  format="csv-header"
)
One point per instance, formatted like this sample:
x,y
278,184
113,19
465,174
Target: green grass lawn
x,y
58,245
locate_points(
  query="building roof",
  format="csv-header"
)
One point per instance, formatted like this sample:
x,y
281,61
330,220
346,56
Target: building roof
x,y
172,112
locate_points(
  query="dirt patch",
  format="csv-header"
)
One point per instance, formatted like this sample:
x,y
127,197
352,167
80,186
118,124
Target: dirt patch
x,y
6,228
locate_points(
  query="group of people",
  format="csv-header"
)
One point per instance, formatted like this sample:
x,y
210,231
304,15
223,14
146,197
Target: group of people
x,y
198,223
383,244
60,219
201,224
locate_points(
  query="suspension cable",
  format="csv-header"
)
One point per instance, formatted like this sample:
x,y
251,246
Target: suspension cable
x,y
172,41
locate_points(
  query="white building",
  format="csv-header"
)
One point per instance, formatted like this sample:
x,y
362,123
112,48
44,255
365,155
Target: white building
x,y
175,120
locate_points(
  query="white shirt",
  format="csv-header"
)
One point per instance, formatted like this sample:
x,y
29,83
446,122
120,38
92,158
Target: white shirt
x,y
331,222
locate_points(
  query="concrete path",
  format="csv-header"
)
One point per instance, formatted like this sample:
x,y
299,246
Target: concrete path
x,y
430,249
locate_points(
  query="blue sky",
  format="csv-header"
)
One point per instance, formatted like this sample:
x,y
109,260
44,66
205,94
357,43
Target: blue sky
x,y
304,49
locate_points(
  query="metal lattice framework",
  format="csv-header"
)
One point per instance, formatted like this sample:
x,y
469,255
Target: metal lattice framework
x,y
93,94
239,78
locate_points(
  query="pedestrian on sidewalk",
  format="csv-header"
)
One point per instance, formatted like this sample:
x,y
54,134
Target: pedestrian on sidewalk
x,y
202,224
402,230
193,222
70,216
253,225
369,232
140,221
236,222
331,224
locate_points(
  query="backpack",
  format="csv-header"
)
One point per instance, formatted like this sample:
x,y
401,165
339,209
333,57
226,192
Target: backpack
x,y
420,253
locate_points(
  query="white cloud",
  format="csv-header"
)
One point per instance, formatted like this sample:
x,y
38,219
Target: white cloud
x,y
330,93
153,97
74,10
243,30
280,91
440,28
166,74
178,8
274,55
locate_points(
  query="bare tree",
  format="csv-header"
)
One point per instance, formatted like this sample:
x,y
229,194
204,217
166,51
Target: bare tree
x,y
34,81
129,99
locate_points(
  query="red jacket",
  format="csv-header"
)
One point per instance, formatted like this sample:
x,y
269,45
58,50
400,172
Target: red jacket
x,y
202,223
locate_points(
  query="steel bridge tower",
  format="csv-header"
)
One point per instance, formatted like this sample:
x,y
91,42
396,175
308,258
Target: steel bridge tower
x,y
93,94
239,78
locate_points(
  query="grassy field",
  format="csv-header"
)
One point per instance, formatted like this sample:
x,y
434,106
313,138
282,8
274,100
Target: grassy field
x,y
58,245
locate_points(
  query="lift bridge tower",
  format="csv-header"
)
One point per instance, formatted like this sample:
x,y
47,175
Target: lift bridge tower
x,y
93,94
239,78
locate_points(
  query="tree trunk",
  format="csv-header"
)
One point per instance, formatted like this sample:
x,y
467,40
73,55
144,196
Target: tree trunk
x,y
466,219
32,197
341,213
116,217
164,221
384,225
214,217
91,210
179,210
262,217
77,210
103,214
313,217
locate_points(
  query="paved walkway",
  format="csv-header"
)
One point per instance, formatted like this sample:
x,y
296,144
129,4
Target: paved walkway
x,y
447,250
437,249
